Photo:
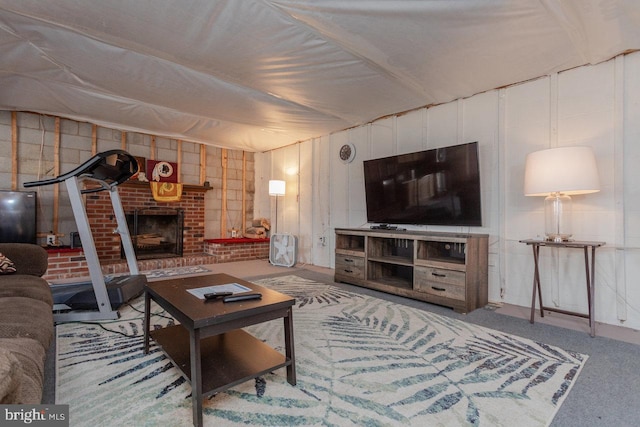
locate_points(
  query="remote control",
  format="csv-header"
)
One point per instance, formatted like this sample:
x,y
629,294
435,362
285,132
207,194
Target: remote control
x,y
242,297
216,295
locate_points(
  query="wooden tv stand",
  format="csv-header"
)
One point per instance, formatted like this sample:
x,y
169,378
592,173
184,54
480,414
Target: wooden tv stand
x,y
449,269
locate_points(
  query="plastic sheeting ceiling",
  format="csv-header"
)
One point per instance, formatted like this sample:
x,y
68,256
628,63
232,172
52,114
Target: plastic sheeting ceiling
x,y
258,74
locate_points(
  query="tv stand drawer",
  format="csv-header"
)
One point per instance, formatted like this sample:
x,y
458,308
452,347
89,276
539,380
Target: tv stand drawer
x,y
438,282
350,266
440,275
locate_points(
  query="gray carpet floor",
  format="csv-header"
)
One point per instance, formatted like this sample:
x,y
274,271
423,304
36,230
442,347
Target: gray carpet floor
x,y
607,392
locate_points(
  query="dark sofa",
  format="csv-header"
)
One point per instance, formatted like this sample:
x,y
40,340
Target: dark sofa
x,y
26,324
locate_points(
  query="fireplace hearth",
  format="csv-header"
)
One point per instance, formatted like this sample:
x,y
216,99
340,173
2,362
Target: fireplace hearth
x,y
156,232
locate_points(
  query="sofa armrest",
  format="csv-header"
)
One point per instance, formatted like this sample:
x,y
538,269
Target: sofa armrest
x,y
28,258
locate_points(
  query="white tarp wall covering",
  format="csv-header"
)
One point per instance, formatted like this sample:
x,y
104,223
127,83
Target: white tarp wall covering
x,y
262,74
597,106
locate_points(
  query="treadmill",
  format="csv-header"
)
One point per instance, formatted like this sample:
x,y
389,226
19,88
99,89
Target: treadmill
x,y
97,299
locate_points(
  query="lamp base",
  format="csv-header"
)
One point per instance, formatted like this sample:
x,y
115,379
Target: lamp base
x,y
557,212
558,239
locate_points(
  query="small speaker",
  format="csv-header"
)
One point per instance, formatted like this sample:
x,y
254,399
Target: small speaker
x,y
75,240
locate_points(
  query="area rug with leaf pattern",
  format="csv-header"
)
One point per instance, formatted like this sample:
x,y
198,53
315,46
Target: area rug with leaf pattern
x,y
360,361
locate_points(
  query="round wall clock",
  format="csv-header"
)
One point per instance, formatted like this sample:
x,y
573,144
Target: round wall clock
x,y
347,153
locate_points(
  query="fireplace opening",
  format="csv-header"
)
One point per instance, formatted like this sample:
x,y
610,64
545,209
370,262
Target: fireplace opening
x,y
156,232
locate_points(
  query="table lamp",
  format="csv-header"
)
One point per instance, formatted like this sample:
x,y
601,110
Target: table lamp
x,y
557,174
276,188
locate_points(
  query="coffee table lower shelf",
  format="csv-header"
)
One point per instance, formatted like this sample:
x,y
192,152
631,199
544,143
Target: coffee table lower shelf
x,y
227,359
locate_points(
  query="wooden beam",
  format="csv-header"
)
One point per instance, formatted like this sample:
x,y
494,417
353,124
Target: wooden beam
x,y
244,192
152,149
123,140
14,150
56,172
179,161
223,214
203,163
94,140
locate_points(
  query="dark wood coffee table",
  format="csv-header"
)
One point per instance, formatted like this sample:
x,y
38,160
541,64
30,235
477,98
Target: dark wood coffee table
x,y
208,346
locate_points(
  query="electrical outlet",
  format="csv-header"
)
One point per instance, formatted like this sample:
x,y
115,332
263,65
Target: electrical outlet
x,y
51,239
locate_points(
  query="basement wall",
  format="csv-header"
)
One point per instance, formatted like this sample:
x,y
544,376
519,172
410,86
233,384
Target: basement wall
x,y
596,106
36,161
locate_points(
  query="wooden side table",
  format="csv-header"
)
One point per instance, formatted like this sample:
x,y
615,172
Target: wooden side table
x,y
589,272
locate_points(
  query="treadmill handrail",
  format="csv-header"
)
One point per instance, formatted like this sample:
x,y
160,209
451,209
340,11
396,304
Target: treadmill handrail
x,y
98,163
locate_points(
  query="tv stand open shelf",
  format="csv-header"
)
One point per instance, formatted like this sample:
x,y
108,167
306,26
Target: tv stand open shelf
x,y
449,269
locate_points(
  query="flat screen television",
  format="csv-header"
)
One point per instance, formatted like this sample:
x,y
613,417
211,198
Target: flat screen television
x,y
439,186
18,216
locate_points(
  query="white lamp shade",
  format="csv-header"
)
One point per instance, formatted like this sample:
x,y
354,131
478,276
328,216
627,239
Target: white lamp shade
x,y
566,170
276,187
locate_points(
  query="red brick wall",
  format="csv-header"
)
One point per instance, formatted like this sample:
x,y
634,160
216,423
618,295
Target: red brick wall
x,y
103,221
66,263
236,251
70,263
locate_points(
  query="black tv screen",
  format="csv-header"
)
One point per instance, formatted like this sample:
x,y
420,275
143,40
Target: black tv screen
x,y
18,216
440,186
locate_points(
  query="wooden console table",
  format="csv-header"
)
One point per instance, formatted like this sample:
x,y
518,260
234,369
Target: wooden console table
x,y
589,272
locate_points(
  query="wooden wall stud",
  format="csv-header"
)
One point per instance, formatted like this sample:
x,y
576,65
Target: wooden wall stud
x,y
14,150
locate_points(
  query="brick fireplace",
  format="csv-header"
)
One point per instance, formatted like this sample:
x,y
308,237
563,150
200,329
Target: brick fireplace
x,y
156,232
68,263
137,197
